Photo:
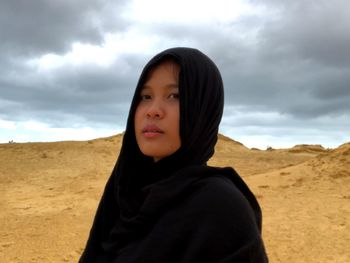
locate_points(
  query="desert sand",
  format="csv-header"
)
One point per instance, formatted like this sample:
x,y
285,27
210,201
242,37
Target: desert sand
x,y
50,191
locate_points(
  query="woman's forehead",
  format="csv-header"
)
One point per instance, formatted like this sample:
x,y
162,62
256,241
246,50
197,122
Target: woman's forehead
x,y
168,63
167,66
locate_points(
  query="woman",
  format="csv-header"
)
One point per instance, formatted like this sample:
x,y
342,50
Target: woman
x,y
162,202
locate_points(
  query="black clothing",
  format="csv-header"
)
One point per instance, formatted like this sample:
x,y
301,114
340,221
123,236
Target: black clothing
x,y
178,209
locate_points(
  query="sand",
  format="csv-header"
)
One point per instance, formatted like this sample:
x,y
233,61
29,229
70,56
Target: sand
x,y
50,191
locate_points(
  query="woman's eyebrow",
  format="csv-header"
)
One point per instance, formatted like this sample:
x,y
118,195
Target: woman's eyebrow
x,y
172,86
169,86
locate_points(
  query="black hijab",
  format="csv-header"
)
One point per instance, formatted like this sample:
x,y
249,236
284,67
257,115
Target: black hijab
x,y
139,190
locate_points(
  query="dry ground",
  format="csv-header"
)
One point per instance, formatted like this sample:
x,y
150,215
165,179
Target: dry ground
x,y
49,193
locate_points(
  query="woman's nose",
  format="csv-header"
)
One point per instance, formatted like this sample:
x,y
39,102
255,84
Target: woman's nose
x,y
155,111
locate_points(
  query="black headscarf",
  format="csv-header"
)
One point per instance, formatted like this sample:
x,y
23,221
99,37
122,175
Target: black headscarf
x,y
139,189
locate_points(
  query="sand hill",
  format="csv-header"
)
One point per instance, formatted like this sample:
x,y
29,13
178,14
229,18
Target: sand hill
x,y
49,193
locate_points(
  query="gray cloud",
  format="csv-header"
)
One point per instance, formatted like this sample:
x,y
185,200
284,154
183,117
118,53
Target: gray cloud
x,y
31,29
28,28
96,94
300,62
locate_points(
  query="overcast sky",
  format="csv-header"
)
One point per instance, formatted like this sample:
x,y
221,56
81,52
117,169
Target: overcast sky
x,y
69,68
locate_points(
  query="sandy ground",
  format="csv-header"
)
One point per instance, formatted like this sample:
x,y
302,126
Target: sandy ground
x,y
49,193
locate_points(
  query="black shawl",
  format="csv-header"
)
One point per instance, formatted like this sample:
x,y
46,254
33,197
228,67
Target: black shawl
x,y
149,212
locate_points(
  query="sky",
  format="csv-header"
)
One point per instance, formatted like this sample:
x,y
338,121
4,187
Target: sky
x,y
69,68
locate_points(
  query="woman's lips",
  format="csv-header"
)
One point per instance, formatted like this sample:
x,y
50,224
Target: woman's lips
x,y
151,131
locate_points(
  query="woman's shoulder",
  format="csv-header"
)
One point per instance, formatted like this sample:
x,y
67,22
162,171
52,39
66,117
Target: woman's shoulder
x,y
216,205
217,193
213,195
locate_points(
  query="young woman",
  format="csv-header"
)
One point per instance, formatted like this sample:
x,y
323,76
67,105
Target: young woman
x,y
162,202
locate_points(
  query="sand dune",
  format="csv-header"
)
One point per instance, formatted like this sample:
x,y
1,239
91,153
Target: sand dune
x,y
49,194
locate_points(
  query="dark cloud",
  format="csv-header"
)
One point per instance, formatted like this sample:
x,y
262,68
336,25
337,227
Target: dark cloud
x,y
30,28
95,94
297,63
312,30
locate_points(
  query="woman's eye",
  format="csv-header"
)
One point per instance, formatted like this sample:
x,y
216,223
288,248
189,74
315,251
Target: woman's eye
x,y
145,97
174,96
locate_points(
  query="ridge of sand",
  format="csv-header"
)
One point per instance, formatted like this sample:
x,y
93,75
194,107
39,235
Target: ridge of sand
x,y
312,148
49,193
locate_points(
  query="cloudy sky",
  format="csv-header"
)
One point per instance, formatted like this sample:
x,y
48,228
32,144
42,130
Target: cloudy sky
x,y
69,68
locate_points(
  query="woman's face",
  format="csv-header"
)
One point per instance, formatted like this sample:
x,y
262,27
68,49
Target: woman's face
x,y
157,116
